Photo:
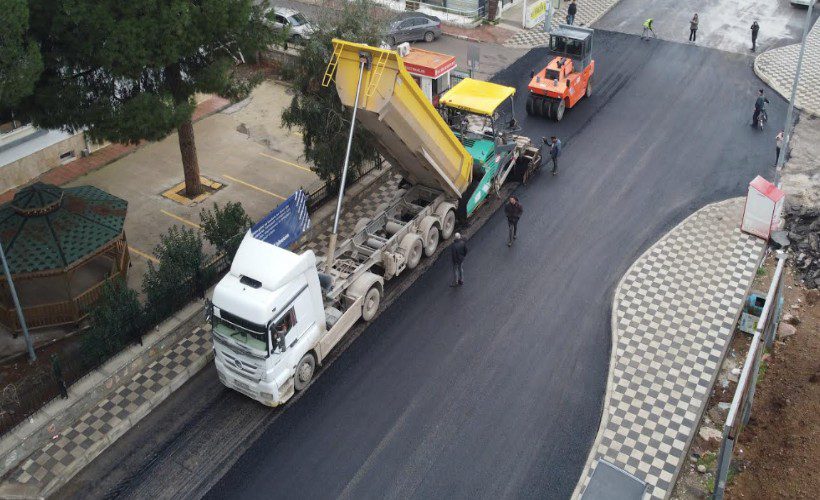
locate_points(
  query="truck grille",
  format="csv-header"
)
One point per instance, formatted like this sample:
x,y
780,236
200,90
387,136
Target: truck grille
x,y
241,368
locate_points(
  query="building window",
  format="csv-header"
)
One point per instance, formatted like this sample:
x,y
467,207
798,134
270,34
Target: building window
x,y
68,156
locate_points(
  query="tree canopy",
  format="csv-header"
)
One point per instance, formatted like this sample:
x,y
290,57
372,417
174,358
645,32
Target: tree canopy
x,y
20,61
316,110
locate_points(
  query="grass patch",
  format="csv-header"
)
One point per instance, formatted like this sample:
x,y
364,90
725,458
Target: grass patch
x,y
708,460
761,372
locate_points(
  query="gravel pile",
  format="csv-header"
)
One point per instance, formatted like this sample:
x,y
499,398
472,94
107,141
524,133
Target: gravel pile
x,y
803,226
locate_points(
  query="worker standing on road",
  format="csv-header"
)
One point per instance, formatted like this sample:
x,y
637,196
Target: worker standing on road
x,y
778,142
693,28
458,250
555,152
755,29
571,10
647,28
513,211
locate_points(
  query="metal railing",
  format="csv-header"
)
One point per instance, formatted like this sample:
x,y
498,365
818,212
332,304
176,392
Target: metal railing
x,y
744,394
327,190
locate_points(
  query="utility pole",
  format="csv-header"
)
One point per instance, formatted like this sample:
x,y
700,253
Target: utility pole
x,y
365,60
29,347
552,10
787,129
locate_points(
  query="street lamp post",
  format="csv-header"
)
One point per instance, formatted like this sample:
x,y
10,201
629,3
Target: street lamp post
x,y
29,347
781,158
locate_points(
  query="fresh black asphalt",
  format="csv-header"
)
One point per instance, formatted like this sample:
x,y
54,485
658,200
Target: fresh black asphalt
x,y
495,389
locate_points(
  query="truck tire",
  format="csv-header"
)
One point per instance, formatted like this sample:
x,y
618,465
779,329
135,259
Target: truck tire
x,y
412,248
448,224
431,240
304,372
546,108
370,305
559,110
530,107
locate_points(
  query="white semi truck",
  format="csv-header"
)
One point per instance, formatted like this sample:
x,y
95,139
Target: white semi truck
x,y
277,315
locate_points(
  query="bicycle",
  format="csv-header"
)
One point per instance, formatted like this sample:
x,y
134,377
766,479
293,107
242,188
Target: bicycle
x,y
762,118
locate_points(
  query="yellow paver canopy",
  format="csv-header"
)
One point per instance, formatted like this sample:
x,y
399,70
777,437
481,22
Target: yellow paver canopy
x,y
476,96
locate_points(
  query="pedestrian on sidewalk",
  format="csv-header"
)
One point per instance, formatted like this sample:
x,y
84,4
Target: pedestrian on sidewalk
x,y
755,29
513,211
58,376
555,152
458,250
693,28
647,28
778,141
571,10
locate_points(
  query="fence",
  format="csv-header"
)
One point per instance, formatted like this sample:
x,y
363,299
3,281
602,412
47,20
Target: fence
x,y
318,196
744,394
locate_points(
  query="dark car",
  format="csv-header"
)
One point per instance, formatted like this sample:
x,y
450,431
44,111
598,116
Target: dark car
x,y
413,27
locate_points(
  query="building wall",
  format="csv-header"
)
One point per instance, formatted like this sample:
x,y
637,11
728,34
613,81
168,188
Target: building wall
x,y
30,166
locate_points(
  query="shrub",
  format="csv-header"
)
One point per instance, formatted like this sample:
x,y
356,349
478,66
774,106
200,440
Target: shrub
x,y
177,277
116,319
225,227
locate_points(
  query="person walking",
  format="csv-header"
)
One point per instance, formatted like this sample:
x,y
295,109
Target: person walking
x,y
458,250
555,152
693,28
647,28
760,103
755,29
572,9
778,142
513,211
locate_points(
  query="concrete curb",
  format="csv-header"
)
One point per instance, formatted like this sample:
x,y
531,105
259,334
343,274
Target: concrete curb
x,y
462,37
36,431
612,355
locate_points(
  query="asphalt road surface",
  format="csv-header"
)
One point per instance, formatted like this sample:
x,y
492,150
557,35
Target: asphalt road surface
x,y
494,389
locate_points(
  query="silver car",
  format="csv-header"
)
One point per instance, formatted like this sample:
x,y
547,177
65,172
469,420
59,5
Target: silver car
x,y
413,27
298,28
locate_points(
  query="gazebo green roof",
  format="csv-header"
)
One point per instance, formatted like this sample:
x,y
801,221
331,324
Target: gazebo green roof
x,y
46,228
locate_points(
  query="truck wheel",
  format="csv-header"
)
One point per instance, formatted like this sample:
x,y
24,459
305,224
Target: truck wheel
x,y
546,108
559,110
370,306
304,372
448,224
412,247
361,224
431,241
530,106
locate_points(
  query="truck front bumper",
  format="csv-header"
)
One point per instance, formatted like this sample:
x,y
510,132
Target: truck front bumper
x,y
267,393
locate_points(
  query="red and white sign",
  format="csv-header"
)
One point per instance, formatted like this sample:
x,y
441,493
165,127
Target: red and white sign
x,y
763,209
432,72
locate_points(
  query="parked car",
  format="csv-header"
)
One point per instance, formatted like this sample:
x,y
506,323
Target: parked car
x,y
413,27
297,26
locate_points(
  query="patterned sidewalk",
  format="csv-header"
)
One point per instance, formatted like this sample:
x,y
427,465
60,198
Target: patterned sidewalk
x,y
589,11
776,67
43,472
673,316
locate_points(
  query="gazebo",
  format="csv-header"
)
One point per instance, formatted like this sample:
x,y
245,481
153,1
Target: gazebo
x,y
62,246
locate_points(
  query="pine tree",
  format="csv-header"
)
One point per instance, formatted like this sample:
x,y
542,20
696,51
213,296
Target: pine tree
x,y
20,61
127,71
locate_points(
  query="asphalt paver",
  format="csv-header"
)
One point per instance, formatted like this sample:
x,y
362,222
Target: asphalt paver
x,y
495,388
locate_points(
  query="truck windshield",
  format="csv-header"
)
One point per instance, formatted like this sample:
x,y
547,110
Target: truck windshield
x,y
255,341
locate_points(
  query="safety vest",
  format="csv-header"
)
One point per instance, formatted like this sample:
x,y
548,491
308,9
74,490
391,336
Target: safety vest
x,y
647,24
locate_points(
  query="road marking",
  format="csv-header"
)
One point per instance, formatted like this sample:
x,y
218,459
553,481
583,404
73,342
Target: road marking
x,y
286,162
254,187
143,255
183,220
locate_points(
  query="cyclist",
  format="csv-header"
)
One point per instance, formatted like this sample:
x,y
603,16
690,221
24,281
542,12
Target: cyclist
x,y
760,107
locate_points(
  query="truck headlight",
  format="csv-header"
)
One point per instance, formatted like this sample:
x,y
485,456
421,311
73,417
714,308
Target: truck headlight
x,y
266,395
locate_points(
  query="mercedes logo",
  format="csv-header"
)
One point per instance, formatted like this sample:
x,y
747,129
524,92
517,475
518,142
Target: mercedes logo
x,y
237,363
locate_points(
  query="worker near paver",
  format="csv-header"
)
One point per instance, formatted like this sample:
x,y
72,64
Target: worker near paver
x,y
760,103
755,29
458,250
571,10
693,28
778,142
555,152
513,211
647,28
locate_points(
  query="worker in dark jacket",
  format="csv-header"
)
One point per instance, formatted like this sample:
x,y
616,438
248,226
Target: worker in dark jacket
x,y
555,152
513,211
458,250
571,11
755,29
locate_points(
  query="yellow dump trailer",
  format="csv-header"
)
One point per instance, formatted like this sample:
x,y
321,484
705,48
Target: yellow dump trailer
x,y
409,131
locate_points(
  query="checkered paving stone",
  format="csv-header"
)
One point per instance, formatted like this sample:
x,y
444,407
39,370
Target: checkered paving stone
x,y
589,11
73,445
777,66
364,206
674,316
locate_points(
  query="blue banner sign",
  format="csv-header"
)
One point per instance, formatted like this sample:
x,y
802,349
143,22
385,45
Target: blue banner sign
x,y
286,223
